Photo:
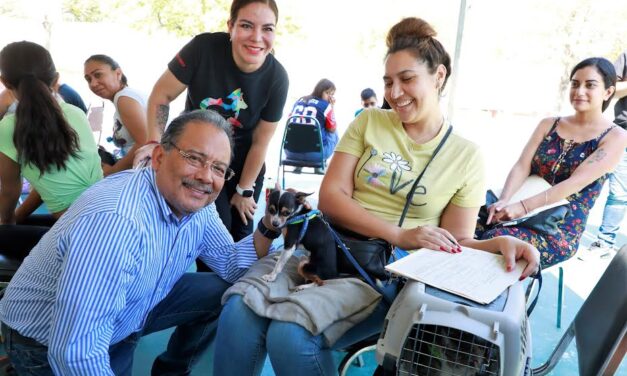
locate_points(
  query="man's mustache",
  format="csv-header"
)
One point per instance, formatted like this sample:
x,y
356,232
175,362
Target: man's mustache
x,y
194,184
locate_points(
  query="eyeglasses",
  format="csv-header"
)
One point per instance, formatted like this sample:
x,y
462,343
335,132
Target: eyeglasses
x,y
370,104
197,160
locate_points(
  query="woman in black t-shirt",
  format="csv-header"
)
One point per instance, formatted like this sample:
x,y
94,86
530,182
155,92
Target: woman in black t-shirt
x,y
235,74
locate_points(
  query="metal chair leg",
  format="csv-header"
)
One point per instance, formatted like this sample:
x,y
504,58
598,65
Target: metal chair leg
x,y
560,296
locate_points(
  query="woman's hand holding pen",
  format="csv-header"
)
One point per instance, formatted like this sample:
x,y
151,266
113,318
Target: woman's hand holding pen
x,y
428,236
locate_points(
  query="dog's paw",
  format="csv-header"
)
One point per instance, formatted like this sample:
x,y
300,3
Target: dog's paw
x,y
304,287
269,277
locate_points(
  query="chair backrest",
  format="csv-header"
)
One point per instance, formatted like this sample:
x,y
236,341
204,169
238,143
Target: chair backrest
x,y
302,135
601,322
95,118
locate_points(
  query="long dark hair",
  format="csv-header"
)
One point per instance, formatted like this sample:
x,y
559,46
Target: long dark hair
x,y
322,86
42,136
605,69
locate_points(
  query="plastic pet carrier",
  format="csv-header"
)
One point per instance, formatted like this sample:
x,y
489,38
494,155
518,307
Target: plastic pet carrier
x,y
431,332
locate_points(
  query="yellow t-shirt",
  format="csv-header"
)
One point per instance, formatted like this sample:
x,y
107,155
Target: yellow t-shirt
x,y
390,161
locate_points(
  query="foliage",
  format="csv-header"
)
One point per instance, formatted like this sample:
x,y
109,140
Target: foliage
x,y
83,11
183,17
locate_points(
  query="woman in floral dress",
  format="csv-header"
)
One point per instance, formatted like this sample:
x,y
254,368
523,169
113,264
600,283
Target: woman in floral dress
x,y
573,154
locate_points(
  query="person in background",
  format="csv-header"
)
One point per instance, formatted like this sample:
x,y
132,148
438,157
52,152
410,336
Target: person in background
x,y
106,79
368,99
319,104
70,95
616,204
7,102
114,267
46,140
235,74
574,154
364,191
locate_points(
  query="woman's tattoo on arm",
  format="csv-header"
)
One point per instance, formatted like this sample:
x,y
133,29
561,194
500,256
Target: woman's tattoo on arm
x,y
163,111
597,156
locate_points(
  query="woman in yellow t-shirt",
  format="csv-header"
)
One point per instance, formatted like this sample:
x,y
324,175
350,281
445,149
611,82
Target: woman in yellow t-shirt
x,y
364,191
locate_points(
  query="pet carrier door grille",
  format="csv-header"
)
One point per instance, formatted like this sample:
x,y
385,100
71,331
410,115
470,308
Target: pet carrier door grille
x,y
439,350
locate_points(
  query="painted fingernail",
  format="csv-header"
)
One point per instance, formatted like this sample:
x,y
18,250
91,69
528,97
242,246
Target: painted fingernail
x,y
521,278
442,248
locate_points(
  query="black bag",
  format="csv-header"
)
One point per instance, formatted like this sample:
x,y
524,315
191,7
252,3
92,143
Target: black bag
x,y
371,254
546,222
105,156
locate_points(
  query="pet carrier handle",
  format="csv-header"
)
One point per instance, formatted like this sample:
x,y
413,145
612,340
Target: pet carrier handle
x,y
537,278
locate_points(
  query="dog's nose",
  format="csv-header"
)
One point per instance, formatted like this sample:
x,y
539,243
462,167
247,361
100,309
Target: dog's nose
x,y
276,223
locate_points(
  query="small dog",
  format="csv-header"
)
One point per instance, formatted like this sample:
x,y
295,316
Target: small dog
x,y
284,205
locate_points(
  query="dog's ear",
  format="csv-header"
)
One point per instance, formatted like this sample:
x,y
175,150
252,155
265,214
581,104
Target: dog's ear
x,y
301,199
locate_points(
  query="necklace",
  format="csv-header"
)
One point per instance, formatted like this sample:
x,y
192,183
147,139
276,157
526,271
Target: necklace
x,y
567,145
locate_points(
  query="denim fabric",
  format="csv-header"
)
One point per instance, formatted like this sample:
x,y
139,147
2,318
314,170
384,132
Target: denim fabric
x,y
244,339
28,357
616,203
192,305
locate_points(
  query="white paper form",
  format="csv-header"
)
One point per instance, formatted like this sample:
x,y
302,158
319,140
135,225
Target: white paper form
x,y
477,275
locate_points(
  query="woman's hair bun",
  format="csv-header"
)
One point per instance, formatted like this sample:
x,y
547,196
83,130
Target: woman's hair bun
x,y
411,27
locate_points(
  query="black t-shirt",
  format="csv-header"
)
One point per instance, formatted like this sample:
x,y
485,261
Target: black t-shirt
x,y
620,108
206,66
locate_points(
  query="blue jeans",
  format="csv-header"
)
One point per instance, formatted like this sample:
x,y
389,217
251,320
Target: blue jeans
x,y
244,339
616,203
192,306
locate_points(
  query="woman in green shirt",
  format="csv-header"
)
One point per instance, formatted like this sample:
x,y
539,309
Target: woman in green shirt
x,y
46,140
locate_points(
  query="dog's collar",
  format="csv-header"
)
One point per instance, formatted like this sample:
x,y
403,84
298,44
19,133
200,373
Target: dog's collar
x,y
303,217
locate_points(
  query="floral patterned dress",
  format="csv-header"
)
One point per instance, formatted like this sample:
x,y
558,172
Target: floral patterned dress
x,y
555,160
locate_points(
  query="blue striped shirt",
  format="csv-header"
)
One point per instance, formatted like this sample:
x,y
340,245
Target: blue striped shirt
x,y
117,252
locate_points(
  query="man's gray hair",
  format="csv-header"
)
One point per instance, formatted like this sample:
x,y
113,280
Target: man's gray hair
x,y
176,126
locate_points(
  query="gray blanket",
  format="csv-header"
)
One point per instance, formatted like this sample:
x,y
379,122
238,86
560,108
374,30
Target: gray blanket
x,y
330,310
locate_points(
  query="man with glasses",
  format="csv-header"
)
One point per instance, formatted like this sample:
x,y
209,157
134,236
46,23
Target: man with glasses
x,y
114,266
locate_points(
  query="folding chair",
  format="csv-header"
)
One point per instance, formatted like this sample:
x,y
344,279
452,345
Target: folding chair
x,y
21,239
95,117
302,135
600,326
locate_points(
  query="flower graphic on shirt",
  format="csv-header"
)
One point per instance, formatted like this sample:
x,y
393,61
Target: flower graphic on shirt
x,y
373,152
375,172
397,165
396,162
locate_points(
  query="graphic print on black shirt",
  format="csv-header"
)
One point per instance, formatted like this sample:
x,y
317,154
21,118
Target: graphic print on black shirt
x,y
229,108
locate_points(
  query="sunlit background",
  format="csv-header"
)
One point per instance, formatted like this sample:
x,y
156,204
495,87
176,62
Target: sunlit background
x,y
514,56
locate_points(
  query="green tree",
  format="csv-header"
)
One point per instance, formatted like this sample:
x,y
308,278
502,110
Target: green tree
x,y
83,11
183,18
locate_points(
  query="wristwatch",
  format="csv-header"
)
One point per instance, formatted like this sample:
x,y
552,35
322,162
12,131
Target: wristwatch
x,y
244,192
